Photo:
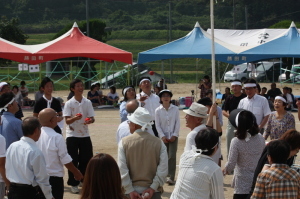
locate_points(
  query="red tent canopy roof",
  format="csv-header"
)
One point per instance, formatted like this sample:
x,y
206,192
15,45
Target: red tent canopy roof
x,y
72,44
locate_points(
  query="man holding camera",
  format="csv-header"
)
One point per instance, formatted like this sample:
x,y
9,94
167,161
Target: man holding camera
x,y
204,85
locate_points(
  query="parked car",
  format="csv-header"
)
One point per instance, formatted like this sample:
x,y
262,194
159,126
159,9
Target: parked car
x,y
295,71
264,71
237,72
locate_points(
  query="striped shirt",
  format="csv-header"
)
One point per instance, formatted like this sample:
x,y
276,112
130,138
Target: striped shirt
x,y
280,181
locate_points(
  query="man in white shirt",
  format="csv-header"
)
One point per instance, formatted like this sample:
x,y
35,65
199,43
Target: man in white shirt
x,y
3,180
195,120
143,171
25,164
123,129
54,148
151,100
256,104
199,176
78,113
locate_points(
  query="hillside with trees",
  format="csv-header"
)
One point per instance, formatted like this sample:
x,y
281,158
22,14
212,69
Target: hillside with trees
x,y
43,16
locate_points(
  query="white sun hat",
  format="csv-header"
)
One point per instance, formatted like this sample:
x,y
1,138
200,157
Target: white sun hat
x,y
197,110
142,117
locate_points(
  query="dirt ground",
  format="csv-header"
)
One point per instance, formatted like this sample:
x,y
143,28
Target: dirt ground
x,y
103,131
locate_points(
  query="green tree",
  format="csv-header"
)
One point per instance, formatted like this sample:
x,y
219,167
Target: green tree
x,y
9,30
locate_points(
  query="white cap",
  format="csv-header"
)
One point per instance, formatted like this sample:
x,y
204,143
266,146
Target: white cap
x,y
142,117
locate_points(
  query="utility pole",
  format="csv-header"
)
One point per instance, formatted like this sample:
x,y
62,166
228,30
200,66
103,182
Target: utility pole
x,y
87,18
88,34
170,39
246,16
233,14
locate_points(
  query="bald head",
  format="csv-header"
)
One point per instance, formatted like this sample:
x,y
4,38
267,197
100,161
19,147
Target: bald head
x,y
48,117
132,105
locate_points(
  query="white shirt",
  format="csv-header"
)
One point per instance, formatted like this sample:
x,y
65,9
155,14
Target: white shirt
x,y
25,164
72,107
190,141
2,151
54,148
123,131
190,138
258,105
158,180
201,179
289,98
113,95
167,122
151,103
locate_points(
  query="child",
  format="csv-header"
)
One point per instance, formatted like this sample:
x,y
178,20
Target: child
x,y
47,101
167,124
78,112
278,180
112,96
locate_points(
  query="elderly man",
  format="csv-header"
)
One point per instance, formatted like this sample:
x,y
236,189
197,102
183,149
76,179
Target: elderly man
x,y
25,164
123,129
54,148
195,120
231,103
151,100
256,104
143,171
11,127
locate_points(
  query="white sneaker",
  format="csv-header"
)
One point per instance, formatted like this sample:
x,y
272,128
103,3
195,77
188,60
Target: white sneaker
x,y
74,189
170,181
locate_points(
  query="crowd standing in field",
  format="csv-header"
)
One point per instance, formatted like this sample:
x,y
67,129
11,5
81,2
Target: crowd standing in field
x,y
33,152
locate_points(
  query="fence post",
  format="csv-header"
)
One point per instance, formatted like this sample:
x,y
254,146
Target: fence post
x,y
71,70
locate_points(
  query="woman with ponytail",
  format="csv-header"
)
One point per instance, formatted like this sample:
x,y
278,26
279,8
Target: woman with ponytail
x,y
244,153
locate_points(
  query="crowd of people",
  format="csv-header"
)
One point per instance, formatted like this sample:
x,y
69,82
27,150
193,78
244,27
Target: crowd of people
x,y
33,151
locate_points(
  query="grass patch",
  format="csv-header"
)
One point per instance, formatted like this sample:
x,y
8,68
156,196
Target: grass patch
x,y
39,38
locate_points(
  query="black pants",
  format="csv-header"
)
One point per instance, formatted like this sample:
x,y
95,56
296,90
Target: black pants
x,y
57,186
154,129
81,151
240,196
22,192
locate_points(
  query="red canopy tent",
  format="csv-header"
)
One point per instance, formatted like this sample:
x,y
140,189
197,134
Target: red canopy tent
x,y
72,44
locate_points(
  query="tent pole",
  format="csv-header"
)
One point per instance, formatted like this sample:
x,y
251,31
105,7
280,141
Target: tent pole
x,y
106,84
100,73
219,76
197,77
225,71
213,56
273,71
264,69
280,72
295,74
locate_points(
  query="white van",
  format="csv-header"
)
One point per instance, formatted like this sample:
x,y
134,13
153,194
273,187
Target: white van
x,y
237,72
295,71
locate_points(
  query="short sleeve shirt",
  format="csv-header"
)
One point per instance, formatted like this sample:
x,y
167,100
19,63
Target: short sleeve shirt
x,y
232,102
42,103
72,107
258,105
2,151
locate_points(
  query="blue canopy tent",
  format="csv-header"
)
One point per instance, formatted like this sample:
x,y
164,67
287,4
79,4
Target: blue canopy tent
x,y
196,44
285,45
